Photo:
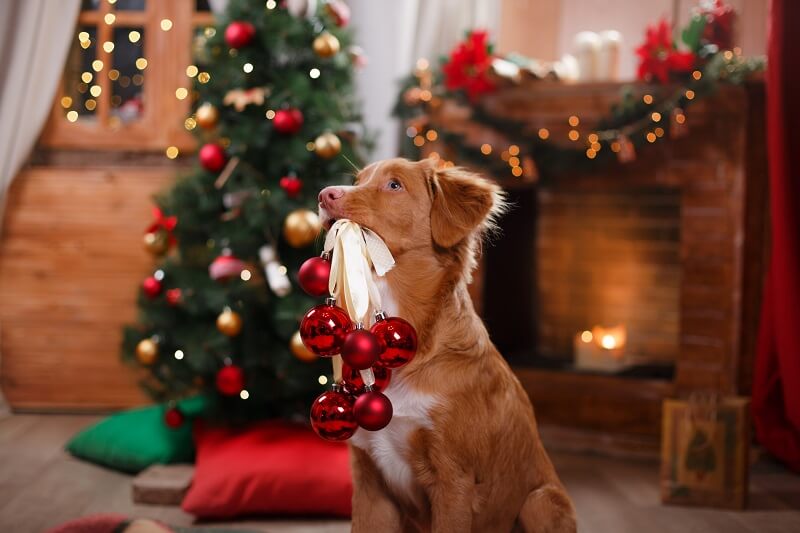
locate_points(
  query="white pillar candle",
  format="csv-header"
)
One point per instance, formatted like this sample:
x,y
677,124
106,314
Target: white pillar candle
x,y
587,48
607,68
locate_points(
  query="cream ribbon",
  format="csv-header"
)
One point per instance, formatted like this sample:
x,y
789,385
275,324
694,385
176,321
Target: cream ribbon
x,y
355,253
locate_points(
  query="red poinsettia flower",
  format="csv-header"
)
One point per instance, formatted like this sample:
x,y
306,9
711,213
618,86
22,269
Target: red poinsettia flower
x,y
720,18
658,57
467,68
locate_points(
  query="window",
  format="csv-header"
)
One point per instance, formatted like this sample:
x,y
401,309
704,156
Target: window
x,y
127,82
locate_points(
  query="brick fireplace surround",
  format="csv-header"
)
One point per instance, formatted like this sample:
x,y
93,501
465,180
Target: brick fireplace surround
x,y
681,231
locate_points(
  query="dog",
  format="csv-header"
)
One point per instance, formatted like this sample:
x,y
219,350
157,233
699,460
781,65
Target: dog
x,y
462,452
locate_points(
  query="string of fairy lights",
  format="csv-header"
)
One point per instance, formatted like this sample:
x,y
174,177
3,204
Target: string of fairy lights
x,y
654,114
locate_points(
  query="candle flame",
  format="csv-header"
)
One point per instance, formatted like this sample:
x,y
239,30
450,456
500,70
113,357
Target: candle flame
x,y
587,336
608,341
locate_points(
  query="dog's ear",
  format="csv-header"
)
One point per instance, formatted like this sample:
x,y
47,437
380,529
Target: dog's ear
x,y
462,201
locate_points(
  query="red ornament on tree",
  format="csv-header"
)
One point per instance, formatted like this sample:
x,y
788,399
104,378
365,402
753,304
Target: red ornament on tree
x,y
373,410
212,157
151,287
313,276
230,380
173,418
288,121
397,338
173,296
354,383
332,415
658,57
292,185
361,349
239,34
225,267
324,329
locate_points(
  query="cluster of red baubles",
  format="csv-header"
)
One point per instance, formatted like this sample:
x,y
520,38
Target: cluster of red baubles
x,y
327,330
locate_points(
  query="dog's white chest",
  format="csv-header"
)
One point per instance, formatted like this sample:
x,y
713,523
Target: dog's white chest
x,y
389,447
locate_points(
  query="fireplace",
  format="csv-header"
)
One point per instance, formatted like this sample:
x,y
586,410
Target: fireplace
x,y
612,289
603,281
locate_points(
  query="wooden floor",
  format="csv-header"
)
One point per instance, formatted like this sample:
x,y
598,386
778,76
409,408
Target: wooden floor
x,y
41,486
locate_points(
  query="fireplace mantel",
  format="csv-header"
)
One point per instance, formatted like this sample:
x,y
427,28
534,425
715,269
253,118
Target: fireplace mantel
x,y
719,172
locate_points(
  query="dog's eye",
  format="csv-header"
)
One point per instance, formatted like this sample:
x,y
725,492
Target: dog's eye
x,y
394,185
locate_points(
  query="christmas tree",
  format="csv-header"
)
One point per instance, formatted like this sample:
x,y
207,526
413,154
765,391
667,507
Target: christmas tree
x,y
275,121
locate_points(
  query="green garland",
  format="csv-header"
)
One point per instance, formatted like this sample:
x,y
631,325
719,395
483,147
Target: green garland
x,y
631,120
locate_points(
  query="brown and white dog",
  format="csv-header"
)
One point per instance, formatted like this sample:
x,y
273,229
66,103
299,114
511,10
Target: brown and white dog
x,y
462,452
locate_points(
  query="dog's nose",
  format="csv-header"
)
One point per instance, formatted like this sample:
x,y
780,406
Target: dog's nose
x,y
330,194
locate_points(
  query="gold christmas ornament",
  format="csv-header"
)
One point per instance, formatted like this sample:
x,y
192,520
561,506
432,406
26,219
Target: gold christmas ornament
x,y
207,116
156,242
301,227
229,323
327,145
147,351
299,349
326,45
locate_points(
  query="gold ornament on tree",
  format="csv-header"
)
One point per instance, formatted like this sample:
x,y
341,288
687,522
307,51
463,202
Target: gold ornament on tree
x,y
299,349
147,351
156,242
326,45
327,145
301,227
207,116
229,322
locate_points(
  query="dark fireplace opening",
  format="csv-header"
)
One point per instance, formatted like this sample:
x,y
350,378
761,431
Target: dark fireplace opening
x,y
587,280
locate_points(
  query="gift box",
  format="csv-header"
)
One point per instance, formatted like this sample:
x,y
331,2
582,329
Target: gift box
x,y
704,451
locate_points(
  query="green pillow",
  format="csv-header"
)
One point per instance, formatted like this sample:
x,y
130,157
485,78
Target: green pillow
x,y
130,441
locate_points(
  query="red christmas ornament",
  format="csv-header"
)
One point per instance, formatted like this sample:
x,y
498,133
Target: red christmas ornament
x,y
173,296
324,329
373,410
397,338
225,267
288,121
339,11
361,349
332,415
313,276
212,157
239,34
173,418
151,287
354,383
230,380
292,185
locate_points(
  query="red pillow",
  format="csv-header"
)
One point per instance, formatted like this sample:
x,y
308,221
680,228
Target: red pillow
x,y
269,468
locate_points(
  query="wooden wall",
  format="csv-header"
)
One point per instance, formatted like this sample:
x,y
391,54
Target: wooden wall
x,y
70,262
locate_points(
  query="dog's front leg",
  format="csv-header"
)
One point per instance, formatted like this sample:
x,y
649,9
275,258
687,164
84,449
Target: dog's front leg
x,y
373,509
451,504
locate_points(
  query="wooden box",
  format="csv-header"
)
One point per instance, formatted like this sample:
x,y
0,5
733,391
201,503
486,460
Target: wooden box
x,y
704,452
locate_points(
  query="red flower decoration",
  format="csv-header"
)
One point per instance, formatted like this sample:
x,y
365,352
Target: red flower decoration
x,y
162,222
720,18
658,57
468,66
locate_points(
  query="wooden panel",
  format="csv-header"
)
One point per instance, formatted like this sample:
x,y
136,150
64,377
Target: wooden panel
x,y
70,261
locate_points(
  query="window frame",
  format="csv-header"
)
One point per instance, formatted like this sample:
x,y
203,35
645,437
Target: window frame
x,y
168,54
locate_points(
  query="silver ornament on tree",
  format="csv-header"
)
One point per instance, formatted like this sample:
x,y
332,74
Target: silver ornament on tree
x,y
274,271
302,8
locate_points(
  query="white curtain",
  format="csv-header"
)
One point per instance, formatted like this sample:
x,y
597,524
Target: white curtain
x,y
34,41
394,35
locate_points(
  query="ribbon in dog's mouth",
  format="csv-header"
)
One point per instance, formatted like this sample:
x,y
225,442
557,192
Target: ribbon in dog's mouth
x,y
362,358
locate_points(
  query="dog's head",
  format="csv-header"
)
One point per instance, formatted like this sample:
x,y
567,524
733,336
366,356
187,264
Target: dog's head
x,y
415,205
